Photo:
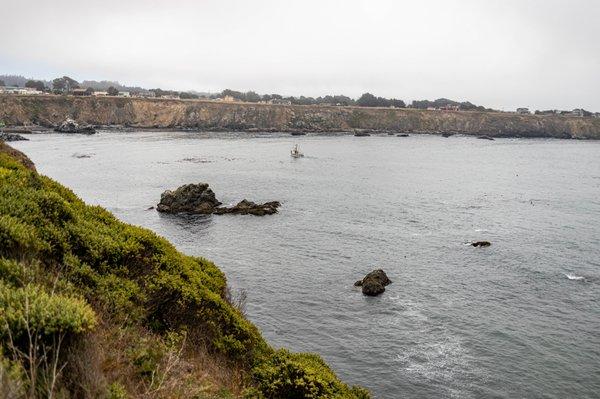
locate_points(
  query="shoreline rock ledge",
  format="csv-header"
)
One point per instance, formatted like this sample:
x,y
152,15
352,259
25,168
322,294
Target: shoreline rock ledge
x,y
70,126
200,199
374,283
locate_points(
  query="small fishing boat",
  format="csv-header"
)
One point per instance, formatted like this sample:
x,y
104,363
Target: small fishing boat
x,y
296,152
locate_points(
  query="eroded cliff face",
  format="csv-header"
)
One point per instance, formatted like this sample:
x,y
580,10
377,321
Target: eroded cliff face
x,y
209,115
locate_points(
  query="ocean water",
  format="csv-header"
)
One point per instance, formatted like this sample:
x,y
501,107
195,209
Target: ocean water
x,y
520,319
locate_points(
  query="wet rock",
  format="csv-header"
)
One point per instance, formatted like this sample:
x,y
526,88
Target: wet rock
x,y
70,126
485,138
403,135
481,244
362,134
12,137
200,199
298,134
190,198
245,207
373,283
447,134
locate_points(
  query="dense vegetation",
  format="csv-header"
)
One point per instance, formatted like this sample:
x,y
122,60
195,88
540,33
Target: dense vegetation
x,y
93,307
444,102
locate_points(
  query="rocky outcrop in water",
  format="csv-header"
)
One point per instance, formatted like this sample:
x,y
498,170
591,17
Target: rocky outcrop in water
x,y
245,207
200,199
12,137
485,137
70,126
374,283
190,198
481,244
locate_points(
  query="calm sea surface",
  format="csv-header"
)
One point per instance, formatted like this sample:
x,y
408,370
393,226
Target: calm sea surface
x,y
520,319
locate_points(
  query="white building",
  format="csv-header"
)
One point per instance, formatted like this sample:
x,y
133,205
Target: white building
x,y
100,94
124,94
18,90
523,111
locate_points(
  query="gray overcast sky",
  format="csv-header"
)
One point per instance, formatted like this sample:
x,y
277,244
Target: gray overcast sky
x,y
498,53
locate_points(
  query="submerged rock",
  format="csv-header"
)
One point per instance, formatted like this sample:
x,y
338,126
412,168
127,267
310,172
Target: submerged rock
x,y
481,244
362,134
447,134
484,137
403,135
12,137
245,207
191,198
373,283
200,199
70,126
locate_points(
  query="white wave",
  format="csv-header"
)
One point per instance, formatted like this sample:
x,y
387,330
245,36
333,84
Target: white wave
x,y
571,276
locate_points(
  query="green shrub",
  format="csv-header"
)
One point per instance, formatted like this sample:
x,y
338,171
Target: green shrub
x,y
17,239
299,376
14,273
116,391
32,308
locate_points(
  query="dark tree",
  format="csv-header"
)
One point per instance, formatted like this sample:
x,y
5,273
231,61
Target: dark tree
x,y
187,96
89,91
35,84
367,100
2,83
64,84
252,97
112,91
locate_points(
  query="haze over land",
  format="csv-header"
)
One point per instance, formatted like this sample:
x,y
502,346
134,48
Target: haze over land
x,y
500,54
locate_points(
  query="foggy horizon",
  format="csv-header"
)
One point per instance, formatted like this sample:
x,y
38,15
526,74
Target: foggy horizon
x,y
501,54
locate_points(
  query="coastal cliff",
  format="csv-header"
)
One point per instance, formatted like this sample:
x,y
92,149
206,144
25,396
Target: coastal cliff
x,y
219,116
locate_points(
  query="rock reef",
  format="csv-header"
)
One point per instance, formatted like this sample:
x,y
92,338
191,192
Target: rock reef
x,y
200,199
12,137
70,126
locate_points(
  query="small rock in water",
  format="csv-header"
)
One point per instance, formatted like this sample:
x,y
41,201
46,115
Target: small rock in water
x,y
12,137
80,156
485,138
373,283
402,135
481,244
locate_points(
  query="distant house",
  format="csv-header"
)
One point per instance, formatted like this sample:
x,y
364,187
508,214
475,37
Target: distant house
x,y
450,108
578,112
100,94
80,92
18,90
124,94
432,109
280,101
523,111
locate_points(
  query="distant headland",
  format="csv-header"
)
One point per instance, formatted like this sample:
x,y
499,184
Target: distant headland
x,y
207,115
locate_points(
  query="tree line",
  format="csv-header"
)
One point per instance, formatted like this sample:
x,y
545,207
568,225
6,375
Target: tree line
x,y
66,84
